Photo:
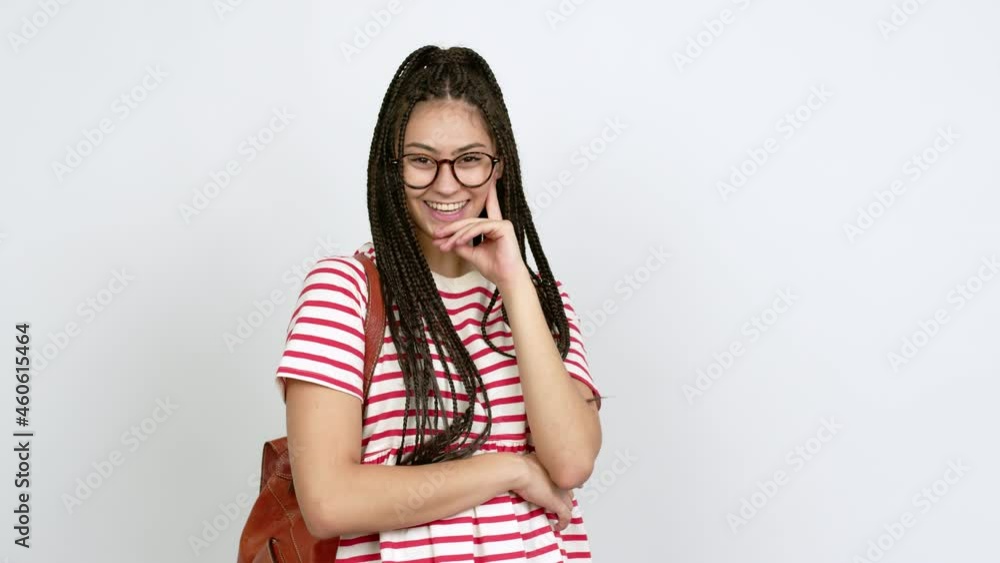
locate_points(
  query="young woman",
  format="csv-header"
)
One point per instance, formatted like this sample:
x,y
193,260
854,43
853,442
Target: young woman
x,y
471,456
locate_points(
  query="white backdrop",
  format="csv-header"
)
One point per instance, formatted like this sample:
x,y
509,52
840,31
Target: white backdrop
x,y
778,218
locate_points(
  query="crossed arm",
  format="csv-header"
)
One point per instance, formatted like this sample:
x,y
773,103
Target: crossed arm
x,y
562,412
338,495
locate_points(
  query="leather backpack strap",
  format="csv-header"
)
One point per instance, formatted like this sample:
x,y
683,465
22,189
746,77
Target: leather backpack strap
x,y
374,321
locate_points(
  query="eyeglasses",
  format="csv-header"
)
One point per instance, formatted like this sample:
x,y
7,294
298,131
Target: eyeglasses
x,y
471,169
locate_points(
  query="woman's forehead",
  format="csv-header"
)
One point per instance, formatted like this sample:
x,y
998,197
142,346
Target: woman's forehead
x,y
446,123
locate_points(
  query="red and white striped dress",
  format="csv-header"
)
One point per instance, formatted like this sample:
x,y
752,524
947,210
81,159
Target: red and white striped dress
x,y
325,345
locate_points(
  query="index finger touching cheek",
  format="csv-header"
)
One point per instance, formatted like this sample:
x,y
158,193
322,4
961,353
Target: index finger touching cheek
x,y
493,203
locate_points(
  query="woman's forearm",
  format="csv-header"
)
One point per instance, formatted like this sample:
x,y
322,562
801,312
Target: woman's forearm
x,y
371,498
565,428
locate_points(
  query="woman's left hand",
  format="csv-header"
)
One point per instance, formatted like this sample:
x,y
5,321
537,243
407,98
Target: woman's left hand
x,y
498,257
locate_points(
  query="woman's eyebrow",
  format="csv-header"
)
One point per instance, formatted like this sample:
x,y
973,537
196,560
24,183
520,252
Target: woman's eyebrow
x,y
454,152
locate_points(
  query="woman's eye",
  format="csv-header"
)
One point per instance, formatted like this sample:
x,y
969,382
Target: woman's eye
x,y
472,158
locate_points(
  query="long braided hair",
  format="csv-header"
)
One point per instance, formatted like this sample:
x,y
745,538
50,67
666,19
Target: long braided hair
x,y
432,73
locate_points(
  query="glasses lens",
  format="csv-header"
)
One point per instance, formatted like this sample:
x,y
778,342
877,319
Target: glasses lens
x,y
418,170
473,168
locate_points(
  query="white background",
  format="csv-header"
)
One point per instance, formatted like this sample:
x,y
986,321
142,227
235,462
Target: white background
x,y
693,459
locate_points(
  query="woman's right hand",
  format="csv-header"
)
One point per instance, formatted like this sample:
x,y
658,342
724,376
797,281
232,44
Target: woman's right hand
x,y
539,489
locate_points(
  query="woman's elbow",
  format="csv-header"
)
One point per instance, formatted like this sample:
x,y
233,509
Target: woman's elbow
x,y
321,514
319,521
573,469
573,476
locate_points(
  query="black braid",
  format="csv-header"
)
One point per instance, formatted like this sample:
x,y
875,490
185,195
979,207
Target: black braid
x,y
431,73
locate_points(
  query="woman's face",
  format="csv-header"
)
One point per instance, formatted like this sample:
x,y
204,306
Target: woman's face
x,y
446,129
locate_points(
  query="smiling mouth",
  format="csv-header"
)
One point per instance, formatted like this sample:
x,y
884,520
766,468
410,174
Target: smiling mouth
x,y
447,209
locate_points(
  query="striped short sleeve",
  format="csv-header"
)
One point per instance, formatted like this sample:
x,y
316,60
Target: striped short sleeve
x,y
325,341
576,358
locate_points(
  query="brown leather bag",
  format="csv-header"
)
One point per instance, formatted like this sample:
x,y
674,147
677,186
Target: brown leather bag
x,y
275,532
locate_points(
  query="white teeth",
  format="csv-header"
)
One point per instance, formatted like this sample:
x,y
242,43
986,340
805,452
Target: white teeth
x,y
446,208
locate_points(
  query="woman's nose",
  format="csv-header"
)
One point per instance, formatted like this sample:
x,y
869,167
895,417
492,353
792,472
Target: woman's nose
x,y
445,181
